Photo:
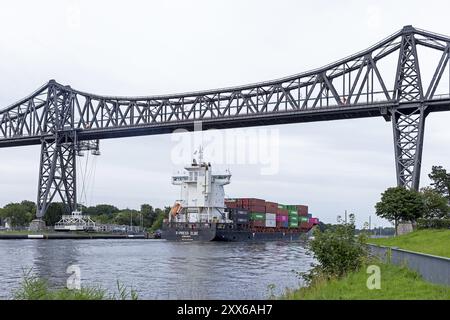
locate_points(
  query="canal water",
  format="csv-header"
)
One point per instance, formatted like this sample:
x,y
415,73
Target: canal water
x,y
158,269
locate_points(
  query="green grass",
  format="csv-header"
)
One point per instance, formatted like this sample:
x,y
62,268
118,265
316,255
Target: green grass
x,y
397,283
430,241
34,288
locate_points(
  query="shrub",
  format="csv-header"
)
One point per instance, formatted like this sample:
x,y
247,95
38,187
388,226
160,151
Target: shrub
x,y
337,250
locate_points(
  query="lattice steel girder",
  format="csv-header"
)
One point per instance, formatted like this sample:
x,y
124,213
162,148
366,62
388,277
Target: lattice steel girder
x,y
408,127
335,91
408,84
57,174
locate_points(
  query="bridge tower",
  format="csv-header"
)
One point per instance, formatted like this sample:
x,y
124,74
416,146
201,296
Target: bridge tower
x,y
408,123
57,172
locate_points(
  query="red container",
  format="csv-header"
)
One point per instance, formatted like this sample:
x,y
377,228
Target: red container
x,y
257,208
254,208
282,212
253,201
231,203
271,207
282,218
314,221
257,223
282,224
306,225
302,210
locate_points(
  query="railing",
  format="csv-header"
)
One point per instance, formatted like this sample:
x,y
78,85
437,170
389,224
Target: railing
x,y
432,268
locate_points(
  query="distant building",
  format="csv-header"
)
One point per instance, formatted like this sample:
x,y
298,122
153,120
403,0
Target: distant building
x,y
6,223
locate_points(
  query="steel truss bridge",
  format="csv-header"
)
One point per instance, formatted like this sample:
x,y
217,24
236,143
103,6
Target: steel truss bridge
x,y
384,80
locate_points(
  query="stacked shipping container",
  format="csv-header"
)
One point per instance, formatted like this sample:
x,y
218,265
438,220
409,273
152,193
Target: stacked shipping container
x,y
257,210
282,217
302,210
271,220
271,214
257,219
241,216
261,213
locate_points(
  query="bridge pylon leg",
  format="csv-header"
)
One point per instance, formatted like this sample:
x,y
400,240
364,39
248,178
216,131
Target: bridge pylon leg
x,y
408,126
57,175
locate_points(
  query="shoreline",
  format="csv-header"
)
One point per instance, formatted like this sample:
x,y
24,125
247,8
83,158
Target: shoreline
x,y
72,236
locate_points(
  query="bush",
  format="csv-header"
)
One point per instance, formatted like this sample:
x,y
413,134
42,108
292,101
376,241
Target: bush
x,y
338,251
433,223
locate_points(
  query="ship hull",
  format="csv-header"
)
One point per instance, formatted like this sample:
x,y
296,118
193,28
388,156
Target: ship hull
x,y
243,236
192,232
181,234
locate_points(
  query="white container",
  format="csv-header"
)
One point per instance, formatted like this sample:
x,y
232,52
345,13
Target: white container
x,y
272,223
271,216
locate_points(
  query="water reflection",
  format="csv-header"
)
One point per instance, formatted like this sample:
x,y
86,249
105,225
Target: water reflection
x,y
158,269
51,261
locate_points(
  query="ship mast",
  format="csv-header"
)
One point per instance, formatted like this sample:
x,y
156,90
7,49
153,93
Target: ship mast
x,y
200,155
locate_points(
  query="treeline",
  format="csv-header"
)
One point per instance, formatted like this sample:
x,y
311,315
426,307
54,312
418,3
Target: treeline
x,y
21,214
381,231
427,208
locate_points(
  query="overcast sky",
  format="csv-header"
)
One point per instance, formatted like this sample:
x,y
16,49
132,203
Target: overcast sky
x,y
155,47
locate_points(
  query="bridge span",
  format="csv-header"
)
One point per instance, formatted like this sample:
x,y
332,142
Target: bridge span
x,y
384,80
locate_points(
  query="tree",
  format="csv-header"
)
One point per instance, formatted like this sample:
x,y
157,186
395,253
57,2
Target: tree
x,y
54,213
102,218
400,204
101,209
29,205
18,214
436,205
440,181
149,215
161,215
126,217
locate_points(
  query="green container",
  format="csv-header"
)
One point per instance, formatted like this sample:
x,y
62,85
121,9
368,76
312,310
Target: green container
x,y
257,216
293,224
303,219
292,207
293,219
282,206
293,213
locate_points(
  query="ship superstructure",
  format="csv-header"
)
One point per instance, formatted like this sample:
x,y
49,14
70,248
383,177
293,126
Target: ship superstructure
x,y
202,195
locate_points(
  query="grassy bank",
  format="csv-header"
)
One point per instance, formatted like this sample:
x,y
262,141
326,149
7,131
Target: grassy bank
x,y
397,283
435,242
34,288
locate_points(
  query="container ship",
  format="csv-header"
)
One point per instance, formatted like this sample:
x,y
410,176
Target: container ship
x,y
204,214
